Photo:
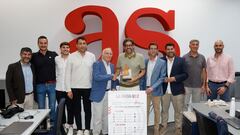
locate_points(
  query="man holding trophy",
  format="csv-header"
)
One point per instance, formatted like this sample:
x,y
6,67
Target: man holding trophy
x,y
130,67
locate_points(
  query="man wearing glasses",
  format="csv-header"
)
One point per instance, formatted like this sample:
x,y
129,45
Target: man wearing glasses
x,y
130,67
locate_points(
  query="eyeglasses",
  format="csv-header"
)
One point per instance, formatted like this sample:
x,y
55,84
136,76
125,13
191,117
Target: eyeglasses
x,y
129,45
153,48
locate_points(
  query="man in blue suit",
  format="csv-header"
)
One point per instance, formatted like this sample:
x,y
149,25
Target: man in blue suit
x,y
152,82
103,74
173,88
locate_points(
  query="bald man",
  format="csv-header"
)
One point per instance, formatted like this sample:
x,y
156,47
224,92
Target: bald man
x,y
220,73
103,74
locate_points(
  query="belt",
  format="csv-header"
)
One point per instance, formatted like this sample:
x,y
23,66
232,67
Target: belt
x,y
51,81
217,82
128,86
28,93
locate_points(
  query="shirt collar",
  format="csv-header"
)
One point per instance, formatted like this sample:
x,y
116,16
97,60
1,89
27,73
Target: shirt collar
x,y
105,63
27,64
41,53
168,58
155,59
190,55
130,56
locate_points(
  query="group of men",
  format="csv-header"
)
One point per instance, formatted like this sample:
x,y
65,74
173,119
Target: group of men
x,y
80,77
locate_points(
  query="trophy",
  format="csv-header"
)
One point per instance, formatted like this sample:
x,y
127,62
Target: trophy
x,y
126,73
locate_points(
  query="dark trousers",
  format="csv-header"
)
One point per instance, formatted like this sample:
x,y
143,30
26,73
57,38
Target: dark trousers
x,y
69,104
213,87
83,94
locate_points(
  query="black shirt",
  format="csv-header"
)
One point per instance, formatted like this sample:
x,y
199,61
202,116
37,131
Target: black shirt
x,y
44,66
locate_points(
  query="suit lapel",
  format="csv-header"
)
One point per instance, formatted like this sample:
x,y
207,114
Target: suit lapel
x,y
19,68
156,65
112,68
104,69
174,65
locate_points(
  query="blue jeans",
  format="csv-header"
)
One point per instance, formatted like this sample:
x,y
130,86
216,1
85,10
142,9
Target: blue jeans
x,y
213,87
49,89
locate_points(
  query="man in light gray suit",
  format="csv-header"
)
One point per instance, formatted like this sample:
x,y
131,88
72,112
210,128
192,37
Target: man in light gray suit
x,y
152,82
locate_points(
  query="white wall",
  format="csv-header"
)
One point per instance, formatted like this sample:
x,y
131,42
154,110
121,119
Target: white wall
x,y
22,21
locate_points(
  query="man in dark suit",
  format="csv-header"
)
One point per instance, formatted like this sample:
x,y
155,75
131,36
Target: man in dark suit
x,y
173,88
20,80
103,81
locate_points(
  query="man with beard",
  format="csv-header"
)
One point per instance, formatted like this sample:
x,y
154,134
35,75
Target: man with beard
x,y
220,73
20,80
130,67
173,88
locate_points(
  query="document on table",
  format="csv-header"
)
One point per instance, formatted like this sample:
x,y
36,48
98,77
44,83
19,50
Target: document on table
x,y
127,113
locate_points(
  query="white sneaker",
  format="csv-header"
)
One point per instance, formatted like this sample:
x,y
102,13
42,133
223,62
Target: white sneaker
x,y
86,132
79,132
70,131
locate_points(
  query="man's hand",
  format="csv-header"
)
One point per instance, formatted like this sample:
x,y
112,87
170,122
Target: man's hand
x,y
70,94
203,89
114,77
149,90
133,79
14,102
221,90
170,79
208,91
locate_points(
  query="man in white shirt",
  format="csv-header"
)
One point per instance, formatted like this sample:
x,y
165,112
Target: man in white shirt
x,y
60,63
78,81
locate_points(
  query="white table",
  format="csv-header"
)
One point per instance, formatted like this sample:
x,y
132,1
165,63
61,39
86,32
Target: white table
x,y
219,110
39,115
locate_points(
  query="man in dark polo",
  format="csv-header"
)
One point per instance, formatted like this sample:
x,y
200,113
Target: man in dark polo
x,y
44,63
196,69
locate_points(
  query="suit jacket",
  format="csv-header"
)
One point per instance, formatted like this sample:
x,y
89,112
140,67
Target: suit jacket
x,y
15,82
180,74
157,78
100,79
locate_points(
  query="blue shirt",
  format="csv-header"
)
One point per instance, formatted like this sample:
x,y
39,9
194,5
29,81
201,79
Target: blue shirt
x,y
28,77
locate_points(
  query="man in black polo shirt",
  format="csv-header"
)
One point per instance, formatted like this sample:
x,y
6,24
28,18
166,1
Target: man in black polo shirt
x,y
44,62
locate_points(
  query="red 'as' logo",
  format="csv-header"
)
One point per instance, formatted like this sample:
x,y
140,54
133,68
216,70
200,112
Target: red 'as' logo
x,y
110,29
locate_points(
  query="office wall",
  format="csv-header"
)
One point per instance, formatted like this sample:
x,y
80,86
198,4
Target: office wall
x,y
22,21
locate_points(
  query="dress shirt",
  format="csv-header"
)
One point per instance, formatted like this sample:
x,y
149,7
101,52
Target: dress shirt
x,y
78,72
108,69
28,77
150,67
60,63
169,69
220,69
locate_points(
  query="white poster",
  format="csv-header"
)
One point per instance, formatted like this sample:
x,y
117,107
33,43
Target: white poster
x,y
127,113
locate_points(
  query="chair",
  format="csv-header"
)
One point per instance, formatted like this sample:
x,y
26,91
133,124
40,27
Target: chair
x,y
58,127
206,125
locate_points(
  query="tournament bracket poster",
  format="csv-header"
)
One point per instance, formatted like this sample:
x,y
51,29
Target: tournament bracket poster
x,y
127,113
